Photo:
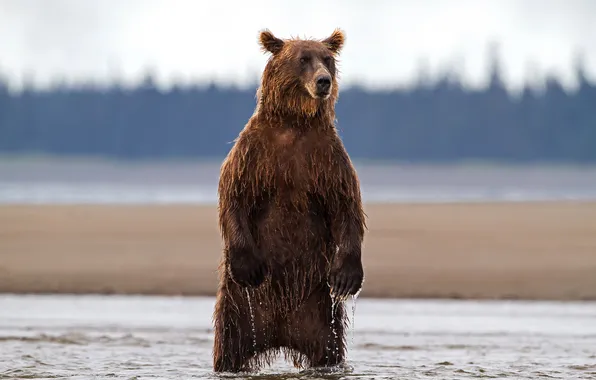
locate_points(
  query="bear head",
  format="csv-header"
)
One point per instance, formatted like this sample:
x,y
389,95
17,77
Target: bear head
x,y
301,74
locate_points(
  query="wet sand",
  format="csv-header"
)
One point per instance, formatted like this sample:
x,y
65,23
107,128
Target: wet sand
x,y
484,250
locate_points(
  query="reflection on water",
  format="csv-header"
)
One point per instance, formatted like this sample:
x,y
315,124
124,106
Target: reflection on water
x,y
170,338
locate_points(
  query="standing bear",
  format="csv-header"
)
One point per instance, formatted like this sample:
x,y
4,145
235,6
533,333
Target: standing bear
x,y
290,216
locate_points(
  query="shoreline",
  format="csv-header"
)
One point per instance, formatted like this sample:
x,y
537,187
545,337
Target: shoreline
x,y
463,250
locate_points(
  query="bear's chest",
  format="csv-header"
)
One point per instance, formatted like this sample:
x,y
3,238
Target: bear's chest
x,y
297,159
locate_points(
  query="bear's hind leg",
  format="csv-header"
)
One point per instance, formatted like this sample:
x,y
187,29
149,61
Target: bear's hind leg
x,y
316,333
237,347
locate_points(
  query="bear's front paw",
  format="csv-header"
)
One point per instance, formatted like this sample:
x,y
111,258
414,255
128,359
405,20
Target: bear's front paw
x,y
247,268
346,278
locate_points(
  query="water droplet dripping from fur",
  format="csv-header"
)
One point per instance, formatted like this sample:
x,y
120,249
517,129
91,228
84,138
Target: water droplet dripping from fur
x,y
354,297
252,322
335,302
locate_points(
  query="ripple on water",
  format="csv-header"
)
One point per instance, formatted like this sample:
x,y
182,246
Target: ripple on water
x,y
79,339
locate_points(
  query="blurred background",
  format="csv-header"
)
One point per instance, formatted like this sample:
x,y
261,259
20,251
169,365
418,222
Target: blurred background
x,y
433,85
472,124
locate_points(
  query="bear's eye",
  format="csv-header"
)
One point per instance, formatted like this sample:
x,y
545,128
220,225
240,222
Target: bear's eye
x,y
327,60
304,60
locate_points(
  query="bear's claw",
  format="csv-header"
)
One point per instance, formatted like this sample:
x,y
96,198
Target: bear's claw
x,y
347,279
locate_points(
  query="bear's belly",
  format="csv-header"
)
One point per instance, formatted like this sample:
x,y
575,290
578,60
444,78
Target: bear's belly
x,y
295,239
291,236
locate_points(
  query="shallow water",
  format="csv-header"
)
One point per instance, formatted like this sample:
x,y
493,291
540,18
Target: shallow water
x,y
83,337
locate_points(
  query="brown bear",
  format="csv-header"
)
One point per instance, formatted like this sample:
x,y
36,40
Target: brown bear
x,y
290,217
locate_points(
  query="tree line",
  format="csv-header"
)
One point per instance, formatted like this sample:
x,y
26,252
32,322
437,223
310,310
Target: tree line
x,y
430,122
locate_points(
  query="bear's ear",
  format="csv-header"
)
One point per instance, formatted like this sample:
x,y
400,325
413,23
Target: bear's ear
x,y
335,41
269,42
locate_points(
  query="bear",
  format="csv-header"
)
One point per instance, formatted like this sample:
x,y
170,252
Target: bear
x,y
290,217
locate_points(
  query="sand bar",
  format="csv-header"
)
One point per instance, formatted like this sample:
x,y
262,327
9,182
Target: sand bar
x,y
484,250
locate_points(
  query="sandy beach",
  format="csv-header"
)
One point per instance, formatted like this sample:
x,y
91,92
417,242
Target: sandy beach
x,y
485,250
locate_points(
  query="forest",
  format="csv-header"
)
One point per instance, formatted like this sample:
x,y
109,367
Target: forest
x,y
439,121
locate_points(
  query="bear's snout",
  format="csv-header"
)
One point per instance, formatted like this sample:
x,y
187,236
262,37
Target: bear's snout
x,y
323,85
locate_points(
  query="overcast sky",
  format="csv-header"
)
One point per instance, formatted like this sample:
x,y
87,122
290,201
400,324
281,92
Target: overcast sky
x,y
386,39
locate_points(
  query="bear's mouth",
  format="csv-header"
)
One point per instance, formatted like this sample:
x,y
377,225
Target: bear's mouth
x,y
323,95
318,93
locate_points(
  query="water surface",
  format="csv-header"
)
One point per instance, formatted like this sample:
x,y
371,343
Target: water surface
x,y
116,337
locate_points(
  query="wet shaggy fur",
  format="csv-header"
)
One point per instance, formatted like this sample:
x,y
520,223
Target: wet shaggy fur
x,y
290,216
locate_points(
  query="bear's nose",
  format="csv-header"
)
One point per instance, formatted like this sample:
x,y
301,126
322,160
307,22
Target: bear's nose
x,y
323,84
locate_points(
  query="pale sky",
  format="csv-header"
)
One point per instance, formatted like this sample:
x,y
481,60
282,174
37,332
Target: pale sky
x,y
202,40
